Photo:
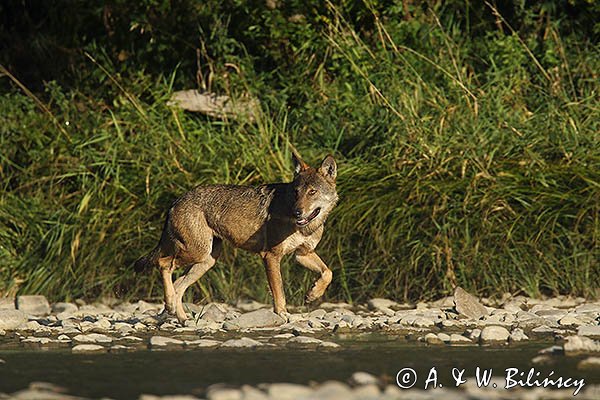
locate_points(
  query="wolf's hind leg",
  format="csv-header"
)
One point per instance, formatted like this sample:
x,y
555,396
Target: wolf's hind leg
x,y
167,266
313,262
195,272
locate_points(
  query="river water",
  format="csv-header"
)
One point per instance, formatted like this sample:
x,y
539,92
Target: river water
x,y
127,375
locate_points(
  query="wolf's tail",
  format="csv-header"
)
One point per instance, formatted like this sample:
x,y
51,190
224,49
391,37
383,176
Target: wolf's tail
x,y
149,260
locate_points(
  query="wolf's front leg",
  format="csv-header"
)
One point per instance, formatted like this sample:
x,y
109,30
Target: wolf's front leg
x,y
272,267
313,262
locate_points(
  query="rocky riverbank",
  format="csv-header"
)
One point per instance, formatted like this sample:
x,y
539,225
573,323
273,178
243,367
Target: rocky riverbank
x,y
30,321
571,326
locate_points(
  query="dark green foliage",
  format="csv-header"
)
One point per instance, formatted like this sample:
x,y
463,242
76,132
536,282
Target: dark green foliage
x,y
468,140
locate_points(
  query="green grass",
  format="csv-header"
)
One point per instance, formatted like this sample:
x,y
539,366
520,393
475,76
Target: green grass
x,y
460,161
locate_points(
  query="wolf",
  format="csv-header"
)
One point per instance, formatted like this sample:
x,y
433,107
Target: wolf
x,y
271,220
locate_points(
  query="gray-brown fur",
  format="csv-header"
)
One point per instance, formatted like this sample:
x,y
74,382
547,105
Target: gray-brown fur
x,y
271,220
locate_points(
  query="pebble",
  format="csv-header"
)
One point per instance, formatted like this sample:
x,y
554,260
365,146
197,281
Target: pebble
x,y
569,320
580,344
92,338
283,336
493,333
203,343
224,394
589,331
304,341
332,390
241,343
459,339
589,363
363,378
162,341
432,338
328,345
88,348
288,391
252,393
518,335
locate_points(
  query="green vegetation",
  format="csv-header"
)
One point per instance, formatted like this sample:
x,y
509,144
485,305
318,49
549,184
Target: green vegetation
x,y
467,137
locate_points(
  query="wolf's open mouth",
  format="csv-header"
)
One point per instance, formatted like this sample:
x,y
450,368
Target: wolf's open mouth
x,y
313,215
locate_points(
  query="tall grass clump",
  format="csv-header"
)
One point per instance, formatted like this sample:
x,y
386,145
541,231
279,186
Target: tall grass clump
x,y
468,146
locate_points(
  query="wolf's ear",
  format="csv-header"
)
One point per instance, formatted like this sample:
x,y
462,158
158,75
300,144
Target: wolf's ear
x,y
299,165
328,167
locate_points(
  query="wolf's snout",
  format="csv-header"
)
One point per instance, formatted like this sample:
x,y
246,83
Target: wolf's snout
x,y
297,212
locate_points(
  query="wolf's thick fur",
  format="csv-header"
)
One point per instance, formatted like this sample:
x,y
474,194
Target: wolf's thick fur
x,y
271,220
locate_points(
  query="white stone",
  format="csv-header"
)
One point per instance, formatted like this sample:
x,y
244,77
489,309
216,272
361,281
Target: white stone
x,y
581,344
494,334
589,363
459,339
288,391
589,331
241,343
92,338
202,343
518,335
162,341
363,378
328,345
88,348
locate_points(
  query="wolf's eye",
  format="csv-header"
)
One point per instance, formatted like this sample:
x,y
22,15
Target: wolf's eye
x,y
312,192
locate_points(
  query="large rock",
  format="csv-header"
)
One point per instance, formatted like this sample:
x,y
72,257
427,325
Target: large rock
x,y
258,319
468,305
33,305
11,319
491,334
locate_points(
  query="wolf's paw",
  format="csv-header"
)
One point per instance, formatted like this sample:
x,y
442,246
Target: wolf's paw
x,y
313,295
164,316
285,315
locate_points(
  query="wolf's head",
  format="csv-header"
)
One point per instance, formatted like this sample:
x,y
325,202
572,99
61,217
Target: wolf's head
x,y
313,191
